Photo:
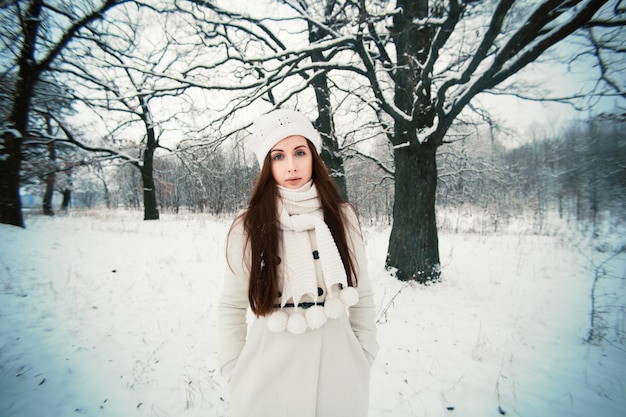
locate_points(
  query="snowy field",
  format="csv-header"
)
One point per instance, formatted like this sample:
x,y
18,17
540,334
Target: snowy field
x,y
103,314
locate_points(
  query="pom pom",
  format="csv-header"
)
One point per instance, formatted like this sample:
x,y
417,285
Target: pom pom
x,y
296,323
315,317
277,321
333,307
349,296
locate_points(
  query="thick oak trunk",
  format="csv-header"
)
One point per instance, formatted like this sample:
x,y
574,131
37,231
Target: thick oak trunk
x,y
413,244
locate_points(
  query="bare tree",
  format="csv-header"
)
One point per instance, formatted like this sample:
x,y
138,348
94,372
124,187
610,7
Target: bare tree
x,y
605,34
34,35
426,101
325,122
116,71
41,158
424,62
405,71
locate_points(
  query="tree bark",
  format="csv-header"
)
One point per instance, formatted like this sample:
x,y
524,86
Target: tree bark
x,y
67,199
11,154
10,164
151,211
414,243
50,176
325,123
48,194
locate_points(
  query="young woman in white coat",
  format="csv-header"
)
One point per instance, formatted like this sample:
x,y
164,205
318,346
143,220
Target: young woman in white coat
x,y
296,259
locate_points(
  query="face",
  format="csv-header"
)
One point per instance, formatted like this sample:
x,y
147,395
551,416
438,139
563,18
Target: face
x,y
292,162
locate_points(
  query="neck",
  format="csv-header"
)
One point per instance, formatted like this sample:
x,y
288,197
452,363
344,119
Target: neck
x,y
288,191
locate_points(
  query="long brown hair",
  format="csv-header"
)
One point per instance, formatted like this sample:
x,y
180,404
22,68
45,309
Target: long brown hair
x,y
260,222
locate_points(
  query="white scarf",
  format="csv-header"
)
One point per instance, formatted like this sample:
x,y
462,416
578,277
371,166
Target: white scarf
x,y
298,211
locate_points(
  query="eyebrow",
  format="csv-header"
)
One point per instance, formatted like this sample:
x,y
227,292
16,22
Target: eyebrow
x,y
280,150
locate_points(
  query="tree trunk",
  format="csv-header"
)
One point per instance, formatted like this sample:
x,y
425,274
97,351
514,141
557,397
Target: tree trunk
x,y
107,194
51,176
48,194
150,210
11,152
325,123
10,203
413,244
67,199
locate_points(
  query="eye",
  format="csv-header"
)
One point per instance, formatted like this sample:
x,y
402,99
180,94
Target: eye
x,y
277,156
300,152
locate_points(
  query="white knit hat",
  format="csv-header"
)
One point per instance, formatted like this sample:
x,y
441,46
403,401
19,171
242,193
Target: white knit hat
x,y
275,126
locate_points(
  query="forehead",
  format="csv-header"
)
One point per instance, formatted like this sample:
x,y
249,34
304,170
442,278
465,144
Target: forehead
x,y
290,142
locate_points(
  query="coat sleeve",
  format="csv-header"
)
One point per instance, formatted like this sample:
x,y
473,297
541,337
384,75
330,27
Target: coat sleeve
x,y
233,303
362,314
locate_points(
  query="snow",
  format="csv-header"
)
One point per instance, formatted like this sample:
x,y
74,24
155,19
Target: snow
x,y
103,314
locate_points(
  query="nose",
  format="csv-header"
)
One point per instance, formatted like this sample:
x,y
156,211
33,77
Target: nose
x,y
291,167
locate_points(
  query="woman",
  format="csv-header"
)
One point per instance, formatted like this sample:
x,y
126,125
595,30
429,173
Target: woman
x,y
296,258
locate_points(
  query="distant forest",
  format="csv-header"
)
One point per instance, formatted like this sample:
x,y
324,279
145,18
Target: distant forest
x,y
579,174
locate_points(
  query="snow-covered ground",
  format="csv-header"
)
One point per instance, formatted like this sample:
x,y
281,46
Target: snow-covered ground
x,y
103,314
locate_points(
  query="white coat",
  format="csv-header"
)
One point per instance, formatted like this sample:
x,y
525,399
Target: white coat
x,y
322,373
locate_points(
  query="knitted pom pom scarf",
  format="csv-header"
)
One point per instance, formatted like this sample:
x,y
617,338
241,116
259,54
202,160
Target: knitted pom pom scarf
x,y
300,210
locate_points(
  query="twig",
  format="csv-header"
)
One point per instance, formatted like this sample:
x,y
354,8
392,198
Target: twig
x,y
599,272
383,312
